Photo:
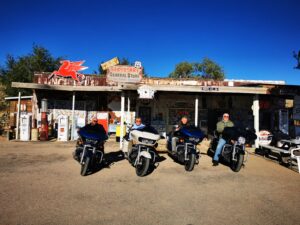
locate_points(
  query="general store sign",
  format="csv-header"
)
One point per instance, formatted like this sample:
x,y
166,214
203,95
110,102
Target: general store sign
x,y
124,74
110,63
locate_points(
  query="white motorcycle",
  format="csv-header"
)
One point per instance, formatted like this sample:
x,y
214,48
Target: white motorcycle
x,y
139,148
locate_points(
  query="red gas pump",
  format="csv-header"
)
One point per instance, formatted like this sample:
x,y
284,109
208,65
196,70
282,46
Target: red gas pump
x,y
44,121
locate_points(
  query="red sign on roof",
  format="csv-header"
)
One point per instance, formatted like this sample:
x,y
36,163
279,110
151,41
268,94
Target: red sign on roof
x,y
70,69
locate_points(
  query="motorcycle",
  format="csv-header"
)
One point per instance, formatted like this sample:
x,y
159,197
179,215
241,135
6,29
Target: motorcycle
x,y
187,140
90,149
139,144
233,152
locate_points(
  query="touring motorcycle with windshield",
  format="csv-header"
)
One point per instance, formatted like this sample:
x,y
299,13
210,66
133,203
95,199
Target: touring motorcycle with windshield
x,y
187,139
233,152
139,148
90,148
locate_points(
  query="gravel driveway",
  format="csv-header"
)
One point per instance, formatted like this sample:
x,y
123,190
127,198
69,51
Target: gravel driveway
x,y
40,183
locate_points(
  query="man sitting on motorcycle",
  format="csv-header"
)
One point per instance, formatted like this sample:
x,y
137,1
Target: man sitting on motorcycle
x,y
94,127
127,142
184,122
138,124
225,122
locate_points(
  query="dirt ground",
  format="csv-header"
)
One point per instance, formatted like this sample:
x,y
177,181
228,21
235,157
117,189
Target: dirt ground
x,y
40,183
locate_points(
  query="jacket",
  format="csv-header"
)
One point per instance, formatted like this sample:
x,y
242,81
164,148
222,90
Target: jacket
x,y
222,124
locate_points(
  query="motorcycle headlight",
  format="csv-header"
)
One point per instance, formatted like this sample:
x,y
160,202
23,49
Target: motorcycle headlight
x,y
241,140
147,141
193,139
91,141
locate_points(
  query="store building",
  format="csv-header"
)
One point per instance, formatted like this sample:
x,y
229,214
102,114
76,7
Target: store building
x,y
162,101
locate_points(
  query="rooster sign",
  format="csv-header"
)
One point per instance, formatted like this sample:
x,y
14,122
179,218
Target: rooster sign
x,y
70,69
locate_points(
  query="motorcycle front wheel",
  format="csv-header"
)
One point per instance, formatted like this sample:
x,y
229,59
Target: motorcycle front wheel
x,y
237,165
85,166
141,168
190,163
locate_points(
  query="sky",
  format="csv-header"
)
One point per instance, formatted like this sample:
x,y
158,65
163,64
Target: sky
x,y
251,40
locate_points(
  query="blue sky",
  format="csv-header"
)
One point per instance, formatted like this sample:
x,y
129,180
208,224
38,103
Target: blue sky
x,y
249,39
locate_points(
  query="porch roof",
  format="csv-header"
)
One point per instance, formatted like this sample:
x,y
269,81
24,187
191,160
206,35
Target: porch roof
x,y
157,87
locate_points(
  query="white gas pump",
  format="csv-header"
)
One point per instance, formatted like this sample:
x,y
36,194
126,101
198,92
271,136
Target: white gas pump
x,y
79,122
25,122
63,128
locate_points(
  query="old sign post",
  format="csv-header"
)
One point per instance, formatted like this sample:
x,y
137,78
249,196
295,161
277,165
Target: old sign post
x,y
110,63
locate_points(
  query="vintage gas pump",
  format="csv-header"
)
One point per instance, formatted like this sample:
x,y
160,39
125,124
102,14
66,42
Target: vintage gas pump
x,y
79,123
63,128
44,121
25,122
103,118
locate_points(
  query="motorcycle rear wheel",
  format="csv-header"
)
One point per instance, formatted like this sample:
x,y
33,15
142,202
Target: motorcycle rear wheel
x,y
237,165
85,166
189,164
142,169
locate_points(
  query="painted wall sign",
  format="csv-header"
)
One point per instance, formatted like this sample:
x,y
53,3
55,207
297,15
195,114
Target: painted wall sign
x,y
124,74
213,89
70,69
112,62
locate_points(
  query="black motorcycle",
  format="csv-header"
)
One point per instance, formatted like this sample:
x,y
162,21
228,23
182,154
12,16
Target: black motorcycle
x,y
187,139
90,148
233,152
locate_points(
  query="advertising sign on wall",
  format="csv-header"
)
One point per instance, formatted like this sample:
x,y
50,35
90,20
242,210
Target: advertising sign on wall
x,y
296,114
296,111
124,74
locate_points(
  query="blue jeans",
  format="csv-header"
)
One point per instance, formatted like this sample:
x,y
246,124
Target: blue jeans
x,y
221,143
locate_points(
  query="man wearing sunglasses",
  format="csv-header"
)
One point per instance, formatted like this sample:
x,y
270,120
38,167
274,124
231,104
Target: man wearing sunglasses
x,y
138,124
225,122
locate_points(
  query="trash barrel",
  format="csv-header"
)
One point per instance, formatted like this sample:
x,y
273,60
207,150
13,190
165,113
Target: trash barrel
x,y
118,132
34,134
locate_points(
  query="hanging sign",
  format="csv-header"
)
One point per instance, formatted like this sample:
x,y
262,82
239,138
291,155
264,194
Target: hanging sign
x,y
146,92
264,137
70,69
112,62
124,74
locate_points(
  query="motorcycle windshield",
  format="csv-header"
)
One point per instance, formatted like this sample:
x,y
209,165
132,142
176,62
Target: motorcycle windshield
x,y
191,131
148,129
93,133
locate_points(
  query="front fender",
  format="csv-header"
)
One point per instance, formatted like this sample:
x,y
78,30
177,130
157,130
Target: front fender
x,y
240,150
146,154
191,148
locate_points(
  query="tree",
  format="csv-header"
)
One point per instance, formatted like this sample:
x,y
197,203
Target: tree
x,y
206,69
21,69
183,70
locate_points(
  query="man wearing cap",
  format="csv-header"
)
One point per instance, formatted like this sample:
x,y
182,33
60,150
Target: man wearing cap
x,y
184,122
225,122
92,126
